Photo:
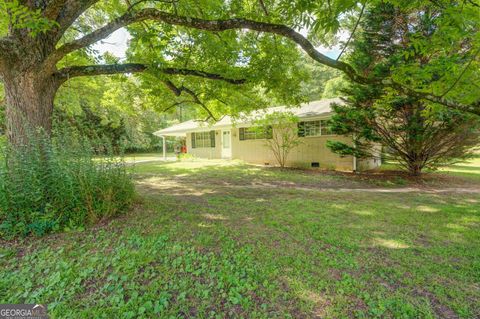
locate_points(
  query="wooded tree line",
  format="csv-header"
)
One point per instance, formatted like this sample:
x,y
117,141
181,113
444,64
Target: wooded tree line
x,y
230,56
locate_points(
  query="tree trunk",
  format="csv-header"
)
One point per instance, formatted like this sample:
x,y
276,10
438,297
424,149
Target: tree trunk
x,y
415,169
29,105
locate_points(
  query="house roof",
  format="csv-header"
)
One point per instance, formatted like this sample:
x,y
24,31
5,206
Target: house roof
x,y
305,110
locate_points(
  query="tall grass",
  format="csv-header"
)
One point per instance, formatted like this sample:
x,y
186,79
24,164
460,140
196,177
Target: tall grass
x,y
60,183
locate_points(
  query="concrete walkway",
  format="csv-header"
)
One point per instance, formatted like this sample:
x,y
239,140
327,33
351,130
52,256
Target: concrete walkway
x,y
160,159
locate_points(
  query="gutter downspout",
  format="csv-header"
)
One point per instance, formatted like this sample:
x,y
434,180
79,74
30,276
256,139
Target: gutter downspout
x,y
354,164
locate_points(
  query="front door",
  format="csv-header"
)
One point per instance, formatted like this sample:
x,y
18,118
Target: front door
x,y
226,144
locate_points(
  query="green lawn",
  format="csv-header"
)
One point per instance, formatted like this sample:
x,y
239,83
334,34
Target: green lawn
x,y
468,170
465,171
145,157
216,239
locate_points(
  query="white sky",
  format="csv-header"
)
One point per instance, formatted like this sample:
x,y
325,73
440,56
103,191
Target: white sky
x,y
117,44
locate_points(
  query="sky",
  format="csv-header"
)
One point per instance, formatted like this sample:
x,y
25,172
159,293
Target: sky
x,y
117,44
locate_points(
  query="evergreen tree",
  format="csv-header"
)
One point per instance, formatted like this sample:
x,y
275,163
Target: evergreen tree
x,y
414,132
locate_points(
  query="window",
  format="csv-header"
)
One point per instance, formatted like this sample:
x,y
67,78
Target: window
x,y
314,128
252,133
326,129
203,139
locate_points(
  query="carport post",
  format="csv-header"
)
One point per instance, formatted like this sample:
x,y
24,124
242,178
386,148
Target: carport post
x,y
164,148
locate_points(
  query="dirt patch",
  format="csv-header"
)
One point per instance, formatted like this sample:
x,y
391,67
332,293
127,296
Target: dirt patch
x,y
323,187
387,177
441,310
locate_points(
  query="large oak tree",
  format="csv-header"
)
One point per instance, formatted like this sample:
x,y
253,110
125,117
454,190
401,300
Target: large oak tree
x,y
40,34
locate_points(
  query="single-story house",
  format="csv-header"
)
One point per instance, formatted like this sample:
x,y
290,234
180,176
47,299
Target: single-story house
x,y
234,138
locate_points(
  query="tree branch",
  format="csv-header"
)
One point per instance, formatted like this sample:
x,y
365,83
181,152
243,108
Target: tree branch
x,y
239,23
264,7
473,3
208,25
70,12
178,91
353,31
105,69
461,74
132,5
202,74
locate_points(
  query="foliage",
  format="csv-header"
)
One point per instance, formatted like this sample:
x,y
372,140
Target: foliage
x,y
268,64
416,133
317,80
19,16
284,137
451,45
56,184
334,87
117,108
282,252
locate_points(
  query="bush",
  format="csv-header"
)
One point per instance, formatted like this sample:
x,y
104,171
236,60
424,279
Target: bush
x,y
185,157
57,184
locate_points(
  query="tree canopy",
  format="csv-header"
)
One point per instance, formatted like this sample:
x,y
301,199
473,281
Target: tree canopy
x,y
415,133
225,56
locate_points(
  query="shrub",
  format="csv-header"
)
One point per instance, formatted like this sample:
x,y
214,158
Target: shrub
x,y
58,183
281,132
185,157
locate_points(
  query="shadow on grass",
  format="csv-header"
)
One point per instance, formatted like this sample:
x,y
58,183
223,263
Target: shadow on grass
x,y
239,173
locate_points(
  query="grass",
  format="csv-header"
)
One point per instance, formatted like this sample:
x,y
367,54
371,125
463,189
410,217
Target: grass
x,y
468,170
140,157
216,239
146,156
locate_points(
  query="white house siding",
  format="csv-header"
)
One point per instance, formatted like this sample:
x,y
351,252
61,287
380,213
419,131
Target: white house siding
x,y
371,163
311,149
205,152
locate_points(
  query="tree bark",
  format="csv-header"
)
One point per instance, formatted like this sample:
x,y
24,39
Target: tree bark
x,y
29,105
415,169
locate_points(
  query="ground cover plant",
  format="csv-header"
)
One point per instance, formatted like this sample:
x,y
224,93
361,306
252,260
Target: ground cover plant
x,y
56,184
253,242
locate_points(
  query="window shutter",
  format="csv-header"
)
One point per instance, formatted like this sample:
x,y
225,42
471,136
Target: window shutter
x,y
212,138
193,140
241,134
269,132
301,129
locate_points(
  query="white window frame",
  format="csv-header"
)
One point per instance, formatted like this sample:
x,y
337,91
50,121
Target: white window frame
x,y
202,139
252,133
317,130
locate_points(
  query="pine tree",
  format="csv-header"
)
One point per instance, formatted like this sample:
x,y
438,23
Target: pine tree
x,y
415,133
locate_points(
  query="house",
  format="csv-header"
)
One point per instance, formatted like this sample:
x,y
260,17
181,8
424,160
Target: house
x,y
234,138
